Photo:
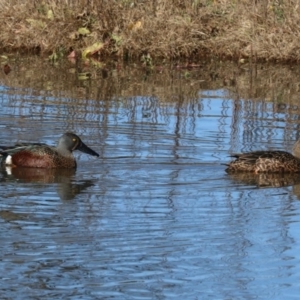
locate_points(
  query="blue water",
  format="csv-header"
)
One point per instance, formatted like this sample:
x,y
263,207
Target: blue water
x,y
156,216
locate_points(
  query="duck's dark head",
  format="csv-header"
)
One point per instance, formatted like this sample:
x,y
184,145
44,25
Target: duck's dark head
x,y
70,142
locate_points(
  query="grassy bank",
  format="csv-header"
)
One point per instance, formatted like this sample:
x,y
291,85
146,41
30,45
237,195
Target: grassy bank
x,y
151,29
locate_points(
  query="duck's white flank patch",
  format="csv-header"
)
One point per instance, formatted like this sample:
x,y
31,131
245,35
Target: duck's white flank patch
x,y
8,160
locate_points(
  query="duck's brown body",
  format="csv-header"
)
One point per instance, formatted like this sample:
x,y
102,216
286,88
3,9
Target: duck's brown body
x,y
265,161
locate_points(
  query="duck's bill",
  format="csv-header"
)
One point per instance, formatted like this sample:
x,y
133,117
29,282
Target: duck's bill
x,y
85,149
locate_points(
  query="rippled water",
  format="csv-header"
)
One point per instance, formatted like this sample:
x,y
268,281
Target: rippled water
x,y
156,216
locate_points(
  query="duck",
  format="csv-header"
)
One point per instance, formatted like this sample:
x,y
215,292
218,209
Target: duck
x,y
269,161
39,155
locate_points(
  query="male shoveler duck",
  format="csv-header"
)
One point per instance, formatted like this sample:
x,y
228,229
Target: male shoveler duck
x,y
37,155
267,161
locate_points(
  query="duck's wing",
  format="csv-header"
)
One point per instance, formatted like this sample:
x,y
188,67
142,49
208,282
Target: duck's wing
x,y
252,157
9,150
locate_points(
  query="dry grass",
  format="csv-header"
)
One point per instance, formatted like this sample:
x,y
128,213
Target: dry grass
x,y
170,29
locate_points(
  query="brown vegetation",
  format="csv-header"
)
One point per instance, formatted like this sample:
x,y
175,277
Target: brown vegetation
x,y
150,29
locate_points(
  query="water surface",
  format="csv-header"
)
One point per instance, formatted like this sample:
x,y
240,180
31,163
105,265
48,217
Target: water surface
x,y
156,216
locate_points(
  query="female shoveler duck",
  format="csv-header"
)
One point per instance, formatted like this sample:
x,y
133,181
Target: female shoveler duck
x,y
36,155
267,161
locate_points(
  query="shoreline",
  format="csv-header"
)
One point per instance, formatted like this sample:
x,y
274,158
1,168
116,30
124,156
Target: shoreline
x,y
154,30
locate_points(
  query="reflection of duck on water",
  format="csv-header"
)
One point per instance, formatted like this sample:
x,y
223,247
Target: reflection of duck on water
x,y
267,161
66,188
266,179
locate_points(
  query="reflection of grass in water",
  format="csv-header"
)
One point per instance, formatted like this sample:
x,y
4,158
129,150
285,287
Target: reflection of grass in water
x,y
168,83
252,96
163,28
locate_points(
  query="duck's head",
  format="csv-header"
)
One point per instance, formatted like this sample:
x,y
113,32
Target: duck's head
x,y
70,142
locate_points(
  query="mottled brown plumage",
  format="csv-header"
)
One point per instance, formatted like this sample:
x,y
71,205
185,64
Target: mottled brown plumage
x,y
267,161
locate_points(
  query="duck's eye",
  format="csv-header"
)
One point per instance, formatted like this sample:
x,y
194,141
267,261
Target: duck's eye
x,y
74,140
